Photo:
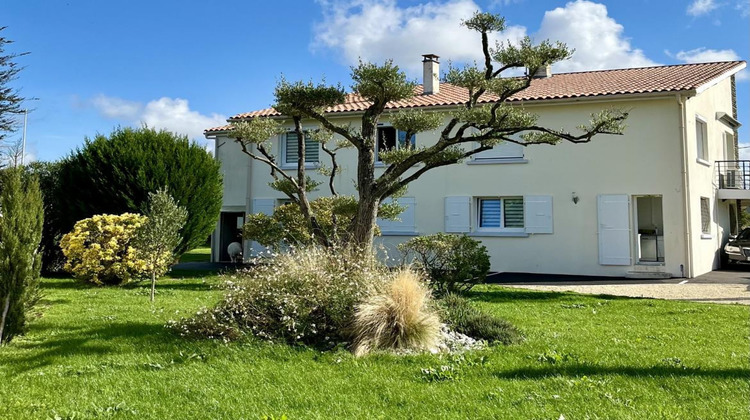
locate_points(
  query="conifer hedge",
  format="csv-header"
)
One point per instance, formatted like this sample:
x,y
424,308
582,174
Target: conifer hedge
x,y
114,174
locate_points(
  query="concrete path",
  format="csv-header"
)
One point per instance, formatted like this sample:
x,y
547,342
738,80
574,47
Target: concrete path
x,y
724,286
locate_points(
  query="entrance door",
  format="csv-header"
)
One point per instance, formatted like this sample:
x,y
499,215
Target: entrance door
x,y
614,229
649,221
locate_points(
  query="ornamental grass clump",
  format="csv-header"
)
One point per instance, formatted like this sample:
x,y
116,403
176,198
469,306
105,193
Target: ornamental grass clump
x,y
400,316
305,296
99,249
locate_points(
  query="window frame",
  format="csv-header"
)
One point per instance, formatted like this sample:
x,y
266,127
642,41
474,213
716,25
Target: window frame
x,y
705,217
413,142
701,142
478,159
283,154
478,214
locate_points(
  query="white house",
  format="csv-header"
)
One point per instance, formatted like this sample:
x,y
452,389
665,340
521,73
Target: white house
x,y
658,201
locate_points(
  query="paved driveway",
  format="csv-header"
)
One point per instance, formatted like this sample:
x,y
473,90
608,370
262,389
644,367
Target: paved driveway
x,y
723,286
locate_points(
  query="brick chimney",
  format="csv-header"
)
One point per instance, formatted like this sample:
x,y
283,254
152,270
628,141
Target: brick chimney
x,y
431,74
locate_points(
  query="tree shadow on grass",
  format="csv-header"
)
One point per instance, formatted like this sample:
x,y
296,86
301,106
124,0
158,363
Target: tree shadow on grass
x,y
516,295
578,370
109,339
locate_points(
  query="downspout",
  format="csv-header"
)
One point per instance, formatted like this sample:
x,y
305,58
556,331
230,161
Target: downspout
x,y
686,189
246,244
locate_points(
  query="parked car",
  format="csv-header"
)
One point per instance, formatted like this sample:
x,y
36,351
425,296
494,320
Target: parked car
x,y
738,248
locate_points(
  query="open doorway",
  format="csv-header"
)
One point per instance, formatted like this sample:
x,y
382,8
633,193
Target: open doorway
x,y
649,221
230,231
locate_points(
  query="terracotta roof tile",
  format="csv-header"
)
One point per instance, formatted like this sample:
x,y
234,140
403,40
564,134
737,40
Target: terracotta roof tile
x,y
559,86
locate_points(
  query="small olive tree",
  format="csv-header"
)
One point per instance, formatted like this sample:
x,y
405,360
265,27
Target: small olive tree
x,y
21,219
158,238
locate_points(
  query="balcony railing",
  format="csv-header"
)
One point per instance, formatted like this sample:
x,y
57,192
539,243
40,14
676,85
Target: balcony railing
x,y
733,174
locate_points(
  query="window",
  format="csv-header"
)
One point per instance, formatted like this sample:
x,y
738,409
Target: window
x,y
701,138
705,216
389,138
505,151
500,213
289,149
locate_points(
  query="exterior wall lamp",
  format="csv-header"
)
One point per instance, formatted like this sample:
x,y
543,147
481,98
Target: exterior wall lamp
x,y
575,198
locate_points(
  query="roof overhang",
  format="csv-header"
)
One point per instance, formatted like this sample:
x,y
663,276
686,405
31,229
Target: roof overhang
x,y
719,78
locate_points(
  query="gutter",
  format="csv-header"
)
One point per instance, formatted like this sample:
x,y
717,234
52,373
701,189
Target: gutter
x,y
688,273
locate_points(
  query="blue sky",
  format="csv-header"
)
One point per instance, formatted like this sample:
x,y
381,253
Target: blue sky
x,y
189,65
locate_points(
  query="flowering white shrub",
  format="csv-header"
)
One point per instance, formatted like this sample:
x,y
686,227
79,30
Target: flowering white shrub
x,y
306,296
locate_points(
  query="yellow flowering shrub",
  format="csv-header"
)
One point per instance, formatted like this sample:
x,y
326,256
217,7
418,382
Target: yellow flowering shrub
x,y
99,249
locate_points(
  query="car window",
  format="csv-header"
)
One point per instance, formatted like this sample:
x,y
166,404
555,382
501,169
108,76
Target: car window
x,y
745,234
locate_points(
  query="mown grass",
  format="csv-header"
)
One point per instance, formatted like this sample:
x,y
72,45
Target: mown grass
x,y
104,353
202,254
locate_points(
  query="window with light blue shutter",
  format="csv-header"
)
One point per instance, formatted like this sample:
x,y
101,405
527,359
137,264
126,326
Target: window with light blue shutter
x,y
500,213
490,213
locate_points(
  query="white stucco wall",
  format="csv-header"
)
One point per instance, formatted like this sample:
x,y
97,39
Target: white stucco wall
x,y
703,177
647,160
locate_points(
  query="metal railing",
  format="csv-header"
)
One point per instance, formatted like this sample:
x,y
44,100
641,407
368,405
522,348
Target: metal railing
x,y
733,174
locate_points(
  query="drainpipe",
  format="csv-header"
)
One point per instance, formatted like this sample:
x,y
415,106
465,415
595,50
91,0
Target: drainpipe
x,y
686,189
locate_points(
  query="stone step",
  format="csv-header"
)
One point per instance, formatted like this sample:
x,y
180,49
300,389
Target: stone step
x,y
648,275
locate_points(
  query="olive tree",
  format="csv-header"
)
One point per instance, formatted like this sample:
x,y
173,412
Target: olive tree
x,y
475,126
157,240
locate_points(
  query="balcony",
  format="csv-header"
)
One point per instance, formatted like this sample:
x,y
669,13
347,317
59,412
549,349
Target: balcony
x,y
733,179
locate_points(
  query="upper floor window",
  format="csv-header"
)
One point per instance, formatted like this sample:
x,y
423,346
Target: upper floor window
x,y
289,149
389,139
701,138
505,150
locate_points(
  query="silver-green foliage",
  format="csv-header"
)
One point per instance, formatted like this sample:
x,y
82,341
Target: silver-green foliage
x,y
158,238
21,220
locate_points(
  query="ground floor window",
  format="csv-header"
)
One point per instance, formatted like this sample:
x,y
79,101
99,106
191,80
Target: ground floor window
x,y
500,213
705,216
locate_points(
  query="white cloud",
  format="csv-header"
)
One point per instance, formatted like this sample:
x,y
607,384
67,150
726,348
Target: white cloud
x,y
705,55
378,30
701,7
117,108
173,114
597,38
744,7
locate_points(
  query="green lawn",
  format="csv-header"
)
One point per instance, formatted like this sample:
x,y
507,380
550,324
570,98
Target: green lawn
x,y
202,254
104,353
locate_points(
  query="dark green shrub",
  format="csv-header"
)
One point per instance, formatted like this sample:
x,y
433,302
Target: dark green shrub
x,y
48,174
454,263
462,317
21,220
115,174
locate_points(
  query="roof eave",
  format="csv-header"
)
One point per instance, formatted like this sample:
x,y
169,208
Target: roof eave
x,y
713,82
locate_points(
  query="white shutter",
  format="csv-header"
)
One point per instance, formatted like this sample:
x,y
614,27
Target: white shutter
x,y
264,206
407,218
457,214
614,229
538,213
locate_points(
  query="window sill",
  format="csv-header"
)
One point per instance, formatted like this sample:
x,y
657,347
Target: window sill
x,y
396,233
294,166
500,234
707,236
500,161
703,162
